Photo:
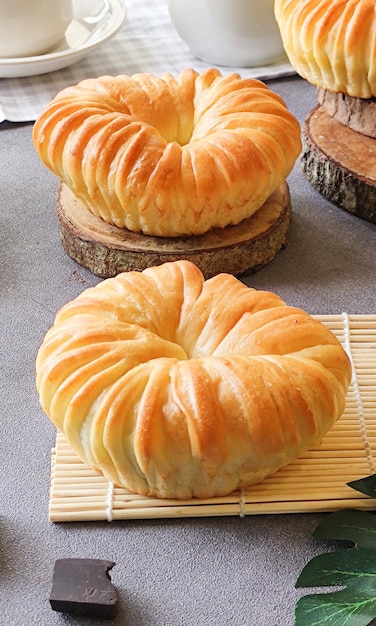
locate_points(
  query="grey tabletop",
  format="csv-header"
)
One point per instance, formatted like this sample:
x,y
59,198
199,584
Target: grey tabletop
x,y
189,572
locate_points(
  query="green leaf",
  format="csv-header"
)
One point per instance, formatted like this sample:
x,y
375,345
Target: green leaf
x,y
353,606
337,568
359,527
365,485
353,568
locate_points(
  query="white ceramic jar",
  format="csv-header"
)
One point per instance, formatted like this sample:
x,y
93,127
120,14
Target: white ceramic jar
x,y
237,33
31,27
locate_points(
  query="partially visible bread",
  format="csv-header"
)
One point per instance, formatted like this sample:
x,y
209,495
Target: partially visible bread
x,y
169,156
331,43
175,387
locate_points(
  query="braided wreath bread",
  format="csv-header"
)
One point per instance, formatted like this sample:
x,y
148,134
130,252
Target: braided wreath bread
x,y
166,156
331,43
174,386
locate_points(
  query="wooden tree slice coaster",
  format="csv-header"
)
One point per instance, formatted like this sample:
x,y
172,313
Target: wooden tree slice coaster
x,y
340,163
107,250
356,113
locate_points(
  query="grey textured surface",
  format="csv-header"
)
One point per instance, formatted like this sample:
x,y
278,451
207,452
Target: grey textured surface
x,y
195,572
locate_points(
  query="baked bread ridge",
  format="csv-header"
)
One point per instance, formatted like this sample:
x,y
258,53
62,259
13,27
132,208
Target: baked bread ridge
x,y
177,387
169,156
331,43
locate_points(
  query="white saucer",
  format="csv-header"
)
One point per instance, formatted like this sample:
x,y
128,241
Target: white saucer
x,y
88,30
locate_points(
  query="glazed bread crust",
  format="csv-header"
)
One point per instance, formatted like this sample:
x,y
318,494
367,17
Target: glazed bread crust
x,y
169,156
331,43
174,386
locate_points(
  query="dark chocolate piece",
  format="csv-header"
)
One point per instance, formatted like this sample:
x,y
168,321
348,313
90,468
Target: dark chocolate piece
x,y
83,587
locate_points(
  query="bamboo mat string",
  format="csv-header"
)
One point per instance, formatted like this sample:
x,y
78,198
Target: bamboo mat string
x,y
357,394
242,503
109,502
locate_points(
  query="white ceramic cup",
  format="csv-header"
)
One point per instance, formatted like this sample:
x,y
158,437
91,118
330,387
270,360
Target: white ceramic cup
x,y
237,33
32,27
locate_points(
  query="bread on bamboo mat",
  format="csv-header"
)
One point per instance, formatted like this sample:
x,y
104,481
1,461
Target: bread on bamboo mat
x,y
317,481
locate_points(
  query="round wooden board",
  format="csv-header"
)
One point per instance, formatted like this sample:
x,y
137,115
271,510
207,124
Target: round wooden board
x,y
107,250
340,163
356,113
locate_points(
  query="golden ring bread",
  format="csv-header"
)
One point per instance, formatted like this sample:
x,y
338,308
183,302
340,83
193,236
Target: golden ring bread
x,y
169,156
331,43
177,387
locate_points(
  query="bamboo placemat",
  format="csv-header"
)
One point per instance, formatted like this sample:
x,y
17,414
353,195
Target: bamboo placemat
x,y
316,482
